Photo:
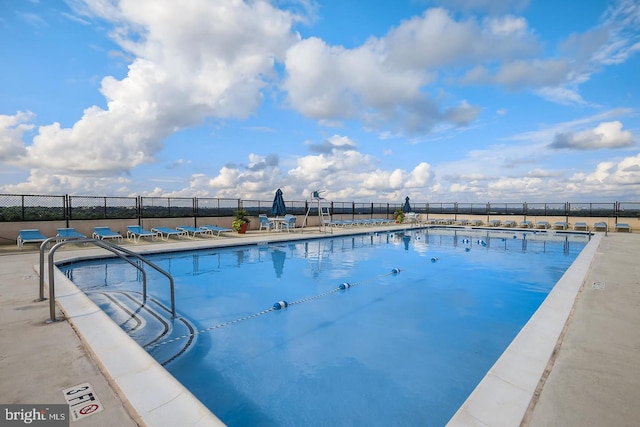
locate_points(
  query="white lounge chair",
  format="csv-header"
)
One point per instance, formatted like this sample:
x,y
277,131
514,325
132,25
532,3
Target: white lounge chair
x,y
581,226
103,233
135,232
215,229
31,235
69,233
600,226
193,230
165,232
621,226
509,223
526,224
543,224
559,225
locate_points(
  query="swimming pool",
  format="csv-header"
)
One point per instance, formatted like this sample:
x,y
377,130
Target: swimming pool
x,y
393,349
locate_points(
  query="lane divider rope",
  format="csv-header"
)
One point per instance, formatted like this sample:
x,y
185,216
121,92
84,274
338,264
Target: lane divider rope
x,y
280,305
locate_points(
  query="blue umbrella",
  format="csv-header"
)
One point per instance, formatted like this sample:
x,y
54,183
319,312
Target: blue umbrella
x,y
407,206
278,207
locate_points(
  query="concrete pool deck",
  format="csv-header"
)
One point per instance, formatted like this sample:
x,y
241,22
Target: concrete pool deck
x,y
594,376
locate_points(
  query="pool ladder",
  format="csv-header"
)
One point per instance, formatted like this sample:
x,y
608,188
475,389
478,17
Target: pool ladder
x,y
115,249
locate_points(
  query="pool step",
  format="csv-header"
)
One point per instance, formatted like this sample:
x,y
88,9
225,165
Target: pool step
x,y
150,325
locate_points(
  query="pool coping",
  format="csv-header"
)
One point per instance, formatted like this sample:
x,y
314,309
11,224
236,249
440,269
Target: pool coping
x,y
500,399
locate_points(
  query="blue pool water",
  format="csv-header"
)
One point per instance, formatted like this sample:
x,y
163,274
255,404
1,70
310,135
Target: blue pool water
x,y
393,349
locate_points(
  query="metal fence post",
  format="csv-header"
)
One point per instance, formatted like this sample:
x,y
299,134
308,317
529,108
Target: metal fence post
x,y
67,208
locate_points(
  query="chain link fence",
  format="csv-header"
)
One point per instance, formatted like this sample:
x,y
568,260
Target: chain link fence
x,y
29,207
91,207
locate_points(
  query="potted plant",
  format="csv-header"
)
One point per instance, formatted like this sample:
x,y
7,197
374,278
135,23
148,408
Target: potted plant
x,y
240,221
398,215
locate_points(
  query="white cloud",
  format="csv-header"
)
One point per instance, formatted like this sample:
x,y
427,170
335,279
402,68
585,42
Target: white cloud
x,y
185,69
605,135
384,81
252,181
561,95
343,173
32,19
336,142
507,25
547,133
12,130
532,73
621,22
619,180
612,42
45,182
331,83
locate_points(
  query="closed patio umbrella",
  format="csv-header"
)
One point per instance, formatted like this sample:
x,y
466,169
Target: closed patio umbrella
x,y
406,207
278,207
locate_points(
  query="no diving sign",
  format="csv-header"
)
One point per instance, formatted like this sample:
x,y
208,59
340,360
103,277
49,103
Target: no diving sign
x,y
82,401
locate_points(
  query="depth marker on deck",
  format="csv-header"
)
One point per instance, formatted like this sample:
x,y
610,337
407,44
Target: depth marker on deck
x,y
82,401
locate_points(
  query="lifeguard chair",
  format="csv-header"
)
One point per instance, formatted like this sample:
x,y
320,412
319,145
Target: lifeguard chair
x,y
324,215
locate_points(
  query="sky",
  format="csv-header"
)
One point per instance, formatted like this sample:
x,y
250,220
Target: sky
x,y
442,101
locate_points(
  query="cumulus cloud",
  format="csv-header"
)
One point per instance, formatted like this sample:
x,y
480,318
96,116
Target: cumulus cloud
x,y
350,175
605,135
507,25
184,70
462,114
44,181
462,42
385,81
328,83
336,142
619,179
342,173
12,130
250,181
533,73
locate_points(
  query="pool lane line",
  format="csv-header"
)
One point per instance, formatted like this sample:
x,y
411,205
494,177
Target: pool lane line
x,y
283,304
211,328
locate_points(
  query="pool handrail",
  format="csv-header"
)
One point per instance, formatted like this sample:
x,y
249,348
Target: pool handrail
x,y
111,247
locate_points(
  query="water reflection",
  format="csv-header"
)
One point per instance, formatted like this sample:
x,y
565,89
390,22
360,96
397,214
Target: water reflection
x,y
278,257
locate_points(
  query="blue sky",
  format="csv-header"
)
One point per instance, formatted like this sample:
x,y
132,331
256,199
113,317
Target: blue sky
x,y
442,101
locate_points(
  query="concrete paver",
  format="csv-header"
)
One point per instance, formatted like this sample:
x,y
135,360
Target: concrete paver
x,y
595,377
39,360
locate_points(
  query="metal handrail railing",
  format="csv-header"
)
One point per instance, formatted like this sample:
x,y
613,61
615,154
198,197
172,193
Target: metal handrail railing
x,y
115,249
49,240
